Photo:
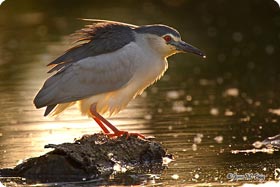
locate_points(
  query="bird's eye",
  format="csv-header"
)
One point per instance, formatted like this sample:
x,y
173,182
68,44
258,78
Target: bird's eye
x,y
167,38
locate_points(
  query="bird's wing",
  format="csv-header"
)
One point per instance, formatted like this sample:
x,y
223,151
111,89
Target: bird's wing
x,y
89,76
95,39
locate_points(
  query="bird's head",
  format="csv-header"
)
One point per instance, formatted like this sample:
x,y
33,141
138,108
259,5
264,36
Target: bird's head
x,y
166,40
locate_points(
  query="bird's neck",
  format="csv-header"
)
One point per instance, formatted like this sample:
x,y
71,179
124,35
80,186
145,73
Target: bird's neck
x,y
151,46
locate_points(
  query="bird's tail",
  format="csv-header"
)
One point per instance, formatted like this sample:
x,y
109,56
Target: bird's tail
x,y
45,96
49,109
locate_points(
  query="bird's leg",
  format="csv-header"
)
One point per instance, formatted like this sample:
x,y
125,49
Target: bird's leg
x,y
101,125
101,121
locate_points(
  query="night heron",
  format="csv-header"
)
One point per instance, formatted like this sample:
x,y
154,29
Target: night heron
x,y
113,63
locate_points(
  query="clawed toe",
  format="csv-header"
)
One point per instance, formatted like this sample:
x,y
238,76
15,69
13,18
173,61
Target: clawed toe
x,y
107,127
125,133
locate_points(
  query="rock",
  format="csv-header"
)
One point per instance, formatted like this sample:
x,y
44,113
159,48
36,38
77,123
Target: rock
x,y
270,142
92,157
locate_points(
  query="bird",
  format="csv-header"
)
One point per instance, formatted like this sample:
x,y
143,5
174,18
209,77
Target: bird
x,y
111,63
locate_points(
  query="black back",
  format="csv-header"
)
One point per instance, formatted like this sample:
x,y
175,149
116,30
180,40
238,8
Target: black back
x,y
98,38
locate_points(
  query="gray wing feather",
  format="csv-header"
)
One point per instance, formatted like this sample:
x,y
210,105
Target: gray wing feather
x,y
88,77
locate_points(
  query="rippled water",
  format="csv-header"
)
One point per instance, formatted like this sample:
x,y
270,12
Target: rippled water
x,y
201,110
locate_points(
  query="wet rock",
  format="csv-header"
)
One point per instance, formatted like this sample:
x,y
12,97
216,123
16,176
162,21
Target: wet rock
x,y
92,157
270,142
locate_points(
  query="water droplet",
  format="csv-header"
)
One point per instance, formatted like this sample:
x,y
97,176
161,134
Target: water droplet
x,y
148,117
198,138
175,176
166,160
214,111
237,36
172,95
275,111
219,139
194,147
179,107
203,82
228,112
188,97
233,92
257,144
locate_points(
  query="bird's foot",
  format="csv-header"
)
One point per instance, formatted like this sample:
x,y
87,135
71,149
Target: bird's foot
x,y
125,133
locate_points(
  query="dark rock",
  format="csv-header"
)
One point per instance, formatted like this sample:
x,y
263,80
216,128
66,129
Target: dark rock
x,y
270,142
91,157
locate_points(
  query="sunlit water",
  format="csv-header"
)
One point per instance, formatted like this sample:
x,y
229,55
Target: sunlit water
x,y
198,114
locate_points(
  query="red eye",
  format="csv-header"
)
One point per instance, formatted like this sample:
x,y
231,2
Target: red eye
x,y
167,38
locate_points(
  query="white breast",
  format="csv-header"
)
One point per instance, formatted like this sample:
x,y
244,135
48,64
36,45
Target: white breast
x,y
148,71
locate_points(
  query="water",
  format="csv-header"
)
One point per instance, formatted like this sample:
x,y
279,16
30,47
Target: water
x,y
201,110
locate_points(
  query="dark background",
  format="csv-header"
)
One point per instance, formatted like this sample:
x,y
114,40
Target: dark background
x,y
240,38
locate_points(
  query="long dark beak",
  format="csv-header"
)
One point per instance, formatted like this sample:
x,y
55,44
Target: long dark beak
x,y
185,47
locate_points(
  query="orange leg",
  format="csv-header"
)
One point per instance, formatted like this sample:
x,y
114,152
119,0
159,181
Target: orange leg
x,y
101,125
102,122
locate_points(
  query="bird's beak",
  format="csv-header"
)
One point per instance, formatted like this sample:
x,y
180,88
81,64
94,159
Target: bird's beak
x,y
182,46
